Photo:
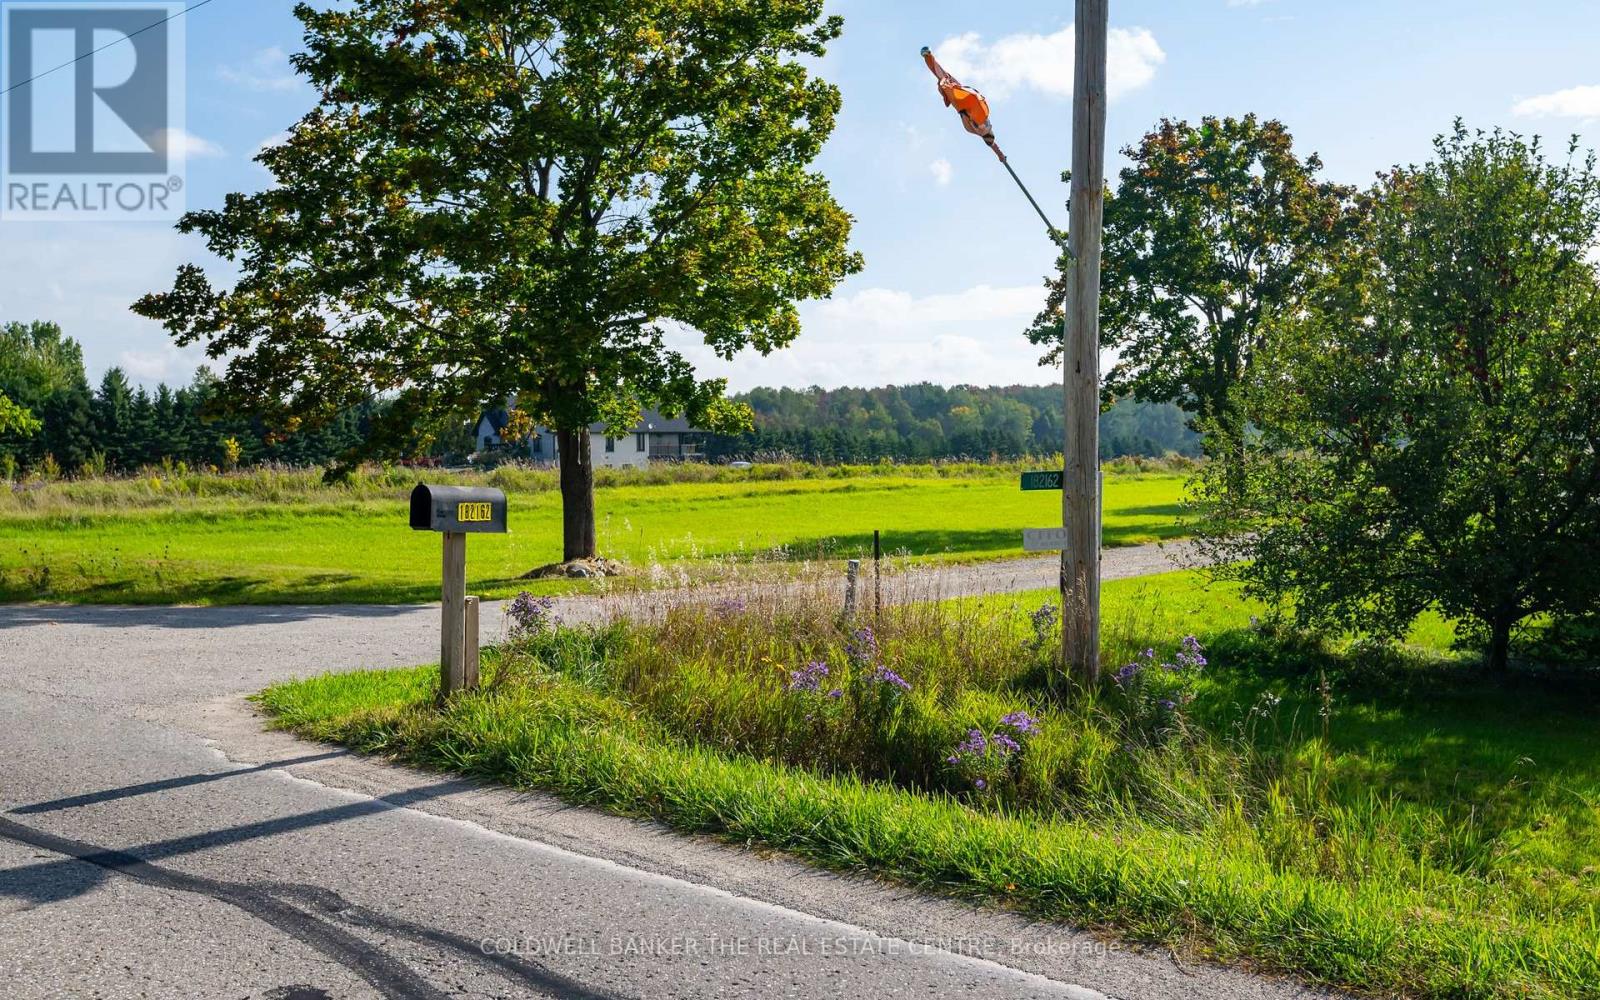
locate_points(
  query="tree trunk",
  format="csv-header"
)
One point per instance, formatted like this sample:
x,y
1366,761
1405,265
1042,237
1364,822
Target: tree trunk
x,y
1500,644
1225,443
577,495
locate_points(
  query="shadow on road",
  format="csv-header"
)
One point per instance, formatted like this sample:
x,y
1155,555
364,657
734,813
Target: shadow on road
x,y
165,784
30,884
314,916
236,616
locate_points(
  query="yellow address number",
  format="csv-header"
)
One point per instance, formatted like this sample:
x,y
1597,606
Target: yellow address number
x,y
473,513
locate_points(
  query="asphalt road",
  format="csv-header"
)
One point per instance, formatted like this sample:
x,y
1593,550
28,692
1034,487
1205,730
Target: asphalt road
x,y
155,841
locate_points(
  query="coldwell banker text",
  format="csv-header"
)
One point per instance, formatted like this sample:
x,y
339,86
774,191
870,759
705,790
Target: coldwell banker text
x,y
94,111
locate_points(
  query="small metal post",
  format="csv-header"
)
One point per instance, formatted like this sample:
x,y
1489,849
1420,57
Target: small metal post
x,y
470,646
850,572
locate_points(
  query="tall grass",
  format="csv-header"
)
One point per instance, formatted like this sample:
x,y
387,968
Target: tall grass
x,y
739,676
1211,806
167,485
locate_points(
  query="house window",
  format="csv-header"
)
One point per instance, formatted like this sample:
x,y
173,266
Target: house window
x,y
638,442
611,444
536,445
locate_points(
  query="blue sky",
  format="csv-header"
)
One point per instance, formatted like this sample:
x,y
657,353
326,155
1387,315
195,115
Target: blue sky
x,y
955,258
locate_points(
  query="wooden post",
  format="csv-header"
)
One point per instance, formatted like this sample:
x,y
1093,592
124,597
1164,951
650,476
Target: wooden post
x,y
851,571
469,670
452,615
1080,498
877,575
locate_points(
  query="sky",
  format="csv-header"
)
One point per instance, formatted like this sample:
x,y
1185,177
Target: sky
x,y
955,258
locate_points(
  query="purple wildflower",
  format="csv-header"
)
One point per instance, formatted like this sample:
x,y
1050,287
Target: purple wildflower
x,y
1043,621
883,675
1022,722
1168,704
1125,676
1192,655
729,606
531,614
836,693
808,677
984,758
862,647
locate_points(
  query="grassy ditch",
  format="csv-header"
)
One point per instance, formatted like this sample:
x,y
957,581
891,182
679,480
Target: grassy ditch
x,y
1386,821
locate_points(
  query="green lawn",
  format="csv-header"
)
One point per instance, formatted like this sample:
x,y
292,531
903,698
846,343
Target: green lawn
x,y
1387,821
309,548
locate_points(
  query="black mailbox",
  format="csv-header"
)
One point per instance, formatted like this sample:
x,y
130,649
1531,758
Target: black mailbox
x,y
458,509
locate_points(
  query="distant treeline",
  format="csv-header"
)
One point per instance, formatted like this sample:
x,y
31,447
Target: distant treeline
x,y
925,421
117,427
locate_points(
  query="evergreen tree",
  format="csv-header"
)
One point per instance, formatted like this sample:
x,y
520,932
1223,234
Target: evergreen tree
x,y
112,420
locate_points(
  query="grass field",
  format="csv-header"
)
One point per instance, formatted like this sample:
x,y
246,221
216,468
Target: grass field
x,y
292,541
1389,821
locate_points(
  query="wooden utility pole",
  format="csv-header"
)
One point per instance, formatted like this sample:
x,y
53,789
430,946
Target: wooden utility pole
x,y
1080,497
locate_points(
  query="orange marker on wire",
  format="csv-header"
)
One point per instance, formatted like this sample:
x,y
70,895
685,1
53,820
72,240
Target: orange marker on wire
x,y
974,112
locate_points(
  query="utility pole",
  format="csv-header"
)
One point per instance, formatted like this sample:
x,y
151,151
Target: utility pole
x,y
1080,496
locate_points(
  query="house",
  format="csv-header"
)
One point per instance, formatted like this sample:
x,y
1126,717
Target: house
x,y
654,439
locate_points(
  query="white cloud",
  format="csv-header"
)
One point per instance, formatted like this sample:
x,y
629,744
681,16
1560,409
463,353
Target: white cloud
x,y
151,366
942,171
182,146
1574,102
268,69
889,310
84,276
1044,62
877,336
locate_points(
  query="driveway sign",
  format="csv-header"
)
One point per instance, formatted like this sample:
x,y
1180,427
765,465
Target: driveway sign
x,y
1044,539
1041,481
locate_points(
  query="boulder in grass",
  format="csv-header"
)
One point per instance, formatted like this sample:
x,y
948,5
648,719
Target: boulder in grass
x,y
577,569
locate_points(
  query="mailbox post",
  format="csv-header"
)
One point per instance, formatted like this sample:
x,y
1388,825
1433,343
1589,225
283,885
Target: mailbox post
x,y
455,512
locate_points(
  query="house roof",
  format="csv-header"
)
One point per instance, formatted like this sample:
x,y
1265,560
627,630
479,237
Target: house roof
x,y
650,421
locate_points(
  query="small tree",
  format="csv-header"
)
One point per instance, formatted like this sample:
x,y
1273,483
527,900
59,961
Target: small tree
x,y
1212,226
1430,427
41,371
16,419
517,198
